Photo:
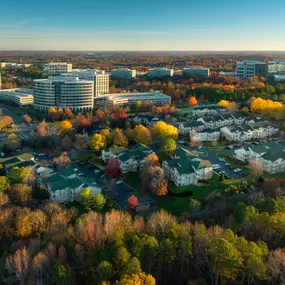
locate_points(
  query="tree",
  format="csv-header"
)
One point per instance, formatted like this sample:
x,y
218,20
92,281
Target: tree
x,y
20,175
256,167
136,279
65,125
68,112
97,142
133,202
194,206
62,161
138,104
152,177
42,129
4,183
169,145
13,142
113,167
151,160
20,193
133,266
99,202
119,139
104,271
163,130
27,119
87,198
225,259
192,101
161,190
60,274
5,121
143,135
51,110
122,257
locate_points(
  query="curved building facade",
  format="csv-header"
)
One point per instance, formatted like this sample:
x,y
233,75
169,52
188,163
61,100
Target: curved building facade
x,y
63,92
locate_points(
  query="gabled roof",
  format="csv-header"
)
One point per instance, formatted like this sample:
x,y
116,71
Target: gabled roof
x,y
63,184
66,172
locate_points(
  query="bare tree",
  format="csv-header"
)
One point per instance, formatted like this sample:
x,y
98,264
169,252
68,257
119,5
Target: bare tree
x,y
255,165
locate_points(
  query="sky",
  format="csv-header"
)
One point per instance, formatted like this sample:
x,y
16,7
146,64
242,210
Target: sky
x,y
185,25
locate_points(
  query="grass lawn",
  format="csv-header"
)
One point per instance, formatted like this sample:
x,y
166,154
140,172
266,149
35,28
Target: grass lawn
x,y
133,179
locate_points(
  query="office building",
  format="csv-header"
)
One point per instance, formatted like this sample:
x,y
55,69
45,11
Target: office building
x,y
228,73
249,68
123,73
57,68
63,92
276,67
196,71
19,96
160,72
13,65
0,81
156,98
100,78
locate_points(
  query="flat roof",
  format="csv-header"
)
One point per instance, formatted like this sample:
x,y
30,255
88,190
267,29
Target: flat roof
x,y
18,92
134,95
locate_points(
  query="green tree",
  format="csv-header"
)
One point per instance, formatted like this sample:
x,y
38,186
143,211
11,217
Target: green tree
x,y
133,266
61,274
169,145
122,257
104,271
225,260
4,183
20,175
99,202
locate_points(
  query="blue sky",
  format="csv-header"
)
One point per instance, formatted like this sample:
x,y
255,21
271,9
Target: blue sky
x,y
142,25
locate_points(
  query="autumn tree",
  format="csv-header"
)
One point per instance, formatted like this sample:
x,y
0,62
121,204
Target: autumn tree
x,y
5,121
138,104
143,135
20,193
163,130
168,146
256,167
119,139
137,279
113,167
62,161
151,160
51,110
21,175
133,202
42,129
27,119
97,142
13,142
68,113
161,190
65,125
192,101
4,183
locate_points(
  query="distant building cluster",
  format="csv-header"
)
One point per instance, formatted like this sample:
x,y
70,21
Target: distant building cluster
x,y
13,65
57,68
123,73
160,72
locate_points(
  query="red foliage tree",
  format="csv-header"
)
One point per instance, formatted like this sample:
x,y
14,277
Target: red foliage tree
x,y
133,202
68,112
113,167
83,122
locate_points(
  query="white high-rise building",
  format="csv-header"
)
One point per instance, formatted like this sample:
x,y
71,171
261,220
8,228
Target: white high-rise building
x,y
100,78
160,72
123,73
197,71
63,92
249,68
57,68
276,67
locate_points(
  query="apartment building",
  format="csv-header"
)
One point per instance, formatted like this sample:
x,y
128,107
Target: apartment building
x,y
123,73
18,96
160,72
196,71
208,110
156,98
272,155
205,135
57,68
63,92
186,169
100,78
249,68
276,67
185,128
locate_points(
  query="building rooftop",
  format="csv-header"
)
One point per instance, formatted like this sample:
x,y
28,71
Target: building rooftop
x,y
17,92
130,96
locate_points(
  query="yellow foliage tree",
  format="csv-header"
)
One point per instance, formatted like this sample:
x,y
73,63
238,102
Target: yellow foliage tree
x,y
138,104
65,125
164,130
97,142
223,103
51,110
143,135
23,226
136,279
120,139
161,190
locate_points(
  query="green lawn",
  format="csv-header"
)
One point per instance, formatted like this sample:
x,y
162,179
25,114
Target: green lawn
x,y
133,179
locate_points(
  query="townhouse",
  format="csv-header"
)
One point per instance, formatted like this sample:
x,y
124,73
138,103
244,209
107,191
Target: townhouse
x,y
185,128
205,135
272,155
208,110
186,169
65,186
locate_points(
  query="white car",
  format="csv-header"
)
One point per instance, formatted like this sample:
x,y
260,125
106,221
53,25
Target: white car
x,y
119,182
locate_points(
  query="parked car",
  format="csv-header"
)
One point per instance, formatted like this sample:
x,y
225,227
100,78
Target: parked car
x,y
119,182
